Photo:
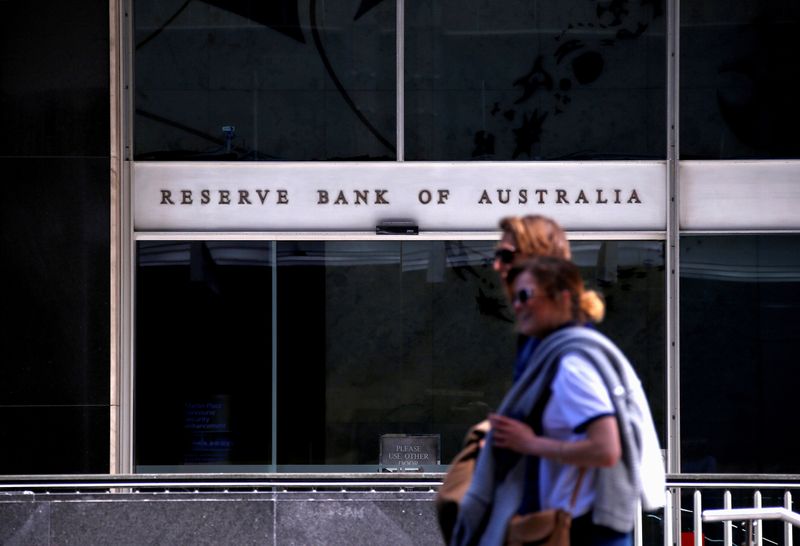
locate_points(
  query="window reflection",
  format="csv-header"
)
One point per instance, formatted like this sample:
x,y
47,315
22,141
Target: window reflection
x,y
416,337
526,81
372,338
203,344
279,80
739,73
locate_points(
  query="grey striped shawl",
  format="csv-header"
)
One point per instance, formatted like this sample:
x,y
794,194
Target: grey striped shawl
x,y
499,481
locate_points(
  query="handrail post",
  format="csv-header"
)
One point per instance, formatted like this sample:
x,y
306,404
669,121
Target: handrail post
x,y
757,524
727,532
668,518
637,526
787,527
698,518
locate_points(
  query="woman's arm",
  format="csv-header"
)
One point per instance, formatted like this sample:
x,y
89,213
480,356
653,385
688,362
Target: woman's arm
x,y
601,447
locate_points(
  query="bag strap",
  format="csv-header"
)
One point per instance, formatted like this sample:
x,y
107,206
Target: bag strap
x,y
574,497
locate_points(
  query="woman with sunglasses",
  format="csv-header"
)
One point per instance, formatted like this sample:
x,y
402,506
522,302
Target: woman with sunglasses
x,y
574,432
527,237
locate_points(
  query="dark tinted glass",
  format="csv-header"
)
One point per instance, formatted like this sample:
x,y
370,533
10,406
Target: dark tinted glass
x,y
278,80
203,354
740,303
373,338
405,337
739,79
630,277
417,338
523,80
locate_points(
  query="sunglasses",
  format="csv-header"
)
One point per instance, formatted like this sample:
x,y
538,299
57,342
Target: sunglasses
x,y
505,255
523,295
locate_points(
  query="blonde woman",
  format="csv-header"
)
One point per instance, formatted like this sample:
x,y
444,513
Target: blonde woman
x,y
527,237
574,433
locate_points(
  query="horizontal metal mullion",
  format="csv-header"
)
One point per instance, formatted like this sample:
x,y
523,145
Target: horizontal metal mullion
x,y
721,232
371,236
733,485
213,485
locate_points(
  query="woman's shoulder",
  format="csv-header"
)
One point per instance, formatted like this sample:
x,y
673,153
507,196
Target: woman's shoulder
x,y
576,364
578,383
577,332
585,338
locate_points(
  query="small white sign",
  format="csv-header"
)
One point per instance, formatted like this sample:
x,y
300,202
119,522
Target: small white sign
x,y
359,196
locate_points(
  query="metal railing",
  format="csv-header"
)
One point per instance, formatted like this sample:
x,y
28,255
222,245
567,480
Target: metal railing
x,y
737,503
221,482
691,499
753,517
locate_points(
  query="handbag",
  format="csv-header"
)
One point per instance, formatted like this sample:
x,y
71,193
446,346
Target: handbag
x,y
545,527
457,480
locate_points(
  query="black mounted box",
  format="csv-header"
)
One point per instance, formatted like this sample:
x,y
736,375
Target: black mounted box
x,y
397,227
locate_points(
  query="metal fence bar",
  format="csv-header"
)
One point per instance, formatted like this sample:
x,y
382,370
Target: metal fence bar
x,y
727,530
752,514
758,524
754,518
637,526
667,517
734,485
698,520
788,539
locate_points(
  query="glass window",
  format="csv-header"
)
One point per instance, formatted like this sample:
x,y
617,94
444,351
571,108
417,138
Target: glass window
x,y
511,81
203,345
264,80
525,80
372,338
407,337
740,303
739,79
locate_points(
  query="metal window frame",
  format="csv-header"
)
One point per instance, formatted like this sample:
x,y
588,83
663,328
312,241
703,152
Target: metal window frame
x,y
121,237
275,237
124,236
672,247
370,236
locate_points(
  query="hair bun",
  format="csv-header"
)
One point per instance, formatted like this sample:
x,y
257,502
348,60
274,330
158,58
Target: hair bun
x,y
592,305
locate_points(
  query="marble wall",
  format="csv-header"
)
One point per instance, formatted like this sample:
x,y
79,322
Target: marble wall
x,y
286,518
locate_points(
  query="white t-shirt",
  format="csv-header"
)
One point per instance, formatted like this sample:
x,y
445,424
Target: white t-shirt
x,y
579,397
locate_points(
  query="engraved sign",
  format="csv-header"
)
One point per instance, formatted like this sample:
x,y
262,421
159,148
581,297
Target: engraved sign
x,y
360,196
408,452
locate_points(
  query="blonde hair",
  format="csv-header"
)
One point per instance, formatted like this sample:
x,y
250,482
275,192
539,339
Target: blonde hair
x,y
553,275
591,306
536,235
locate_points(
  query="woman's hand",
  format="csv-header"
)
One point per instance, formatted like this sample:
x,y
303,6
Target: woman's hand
x,y
513,434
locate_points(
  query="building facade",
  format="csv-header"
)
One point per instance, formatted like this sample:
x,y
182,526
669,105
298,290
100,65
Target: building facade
x,y
199,275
